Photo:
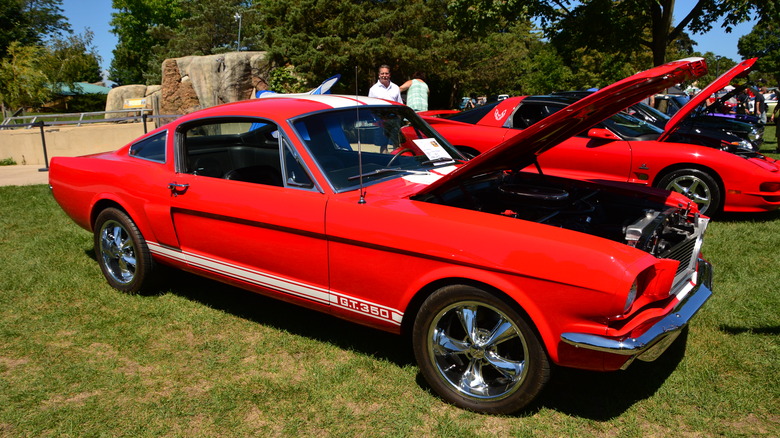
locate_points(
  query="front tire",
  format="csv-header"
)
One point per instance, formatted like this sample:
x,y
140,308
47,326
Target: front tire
x,y
697,185
478,352
122,252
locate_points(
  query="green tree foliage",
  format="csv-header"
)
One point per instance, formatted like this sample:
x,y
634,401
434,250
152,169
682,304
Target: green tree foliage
x,y
150,31
133,25
324,38
72,59
29,22
22,81
763,42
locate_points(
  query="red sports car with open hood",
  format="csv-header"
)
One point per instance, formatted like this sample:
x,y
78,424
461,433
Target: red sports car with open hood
x,y
355,207
625,148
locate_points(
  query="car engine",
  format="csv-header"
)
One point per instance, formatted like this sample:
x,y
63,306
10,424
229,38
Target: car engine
x,y
620,215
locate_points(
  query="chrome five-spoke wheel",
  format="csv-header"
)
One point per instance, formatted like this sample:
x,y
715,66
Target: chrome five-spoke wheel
x,y
122,252
118,252
697,185
478,352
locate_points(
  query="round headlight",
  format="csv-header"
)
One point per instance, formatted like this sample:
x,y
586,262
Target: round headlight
x,y
631,297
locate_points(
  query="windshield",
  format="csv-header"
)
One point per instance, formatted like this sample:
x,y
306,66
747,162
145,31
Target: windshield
x,y
372,144
630,126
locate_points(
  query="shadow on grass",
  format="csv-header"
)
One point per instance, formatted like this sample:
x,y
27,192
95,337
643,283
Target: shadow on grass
x,y
749,217
289,317
605,396
774,330
592,395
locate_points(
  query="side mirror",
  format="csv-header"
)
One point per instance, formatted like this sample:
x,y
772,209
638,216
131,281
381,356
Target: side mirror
x,y
603,134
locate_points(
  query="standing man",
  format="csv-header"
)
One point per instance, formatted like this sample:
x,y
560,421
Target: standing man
x,y
759,105
384,89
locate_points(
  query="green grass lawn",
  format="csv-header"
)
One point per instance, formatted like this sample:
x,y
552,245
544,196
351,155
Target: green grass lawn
x,y
78,358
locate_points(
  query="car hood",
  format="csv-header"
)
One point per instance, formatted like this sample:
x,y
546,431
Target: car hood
x,y
714,86
522,149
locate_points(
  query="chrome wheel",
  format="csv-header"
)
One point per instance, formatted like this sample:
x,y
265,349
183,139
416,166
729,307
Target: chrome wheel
x,y
478,350
699,186
117,251
122,252
692,187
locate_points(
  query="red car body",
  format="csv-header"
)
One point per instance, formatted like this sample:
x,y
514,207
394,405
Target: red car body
x,y
359,210
716,179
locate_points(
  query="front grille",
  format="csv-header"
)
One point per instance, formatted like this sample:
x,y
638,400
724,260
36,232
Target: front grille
x,y
685,253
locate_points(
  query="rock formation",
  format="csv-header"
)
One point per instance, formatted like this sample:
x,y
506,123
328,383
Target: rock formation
x,y
194,82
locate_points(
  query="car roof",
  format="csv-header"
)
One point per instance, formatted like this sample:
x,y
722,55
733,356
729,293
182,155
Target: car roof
x,y
285,106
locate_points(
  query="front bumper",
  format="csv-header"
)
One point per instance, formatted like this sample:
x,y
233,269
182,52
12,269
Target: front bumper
x,y
657,338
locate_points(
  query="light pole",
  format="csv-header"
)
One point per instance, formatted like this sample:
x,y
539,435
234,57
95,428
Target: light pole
x,y
717,66
237,16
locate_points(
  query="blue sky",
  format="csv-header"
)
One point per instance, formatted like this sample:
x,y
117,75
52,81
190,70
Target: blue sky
x,y
96,15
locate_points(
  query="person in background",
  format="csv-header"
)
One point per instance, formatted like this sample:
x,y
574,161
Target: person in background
x,y
776,118
759,105
742,101
384,89
417,94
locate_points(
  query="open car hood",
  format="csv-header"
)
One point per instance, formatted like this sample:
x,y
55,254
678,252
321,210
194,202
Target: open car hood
x,y
714,86
522,149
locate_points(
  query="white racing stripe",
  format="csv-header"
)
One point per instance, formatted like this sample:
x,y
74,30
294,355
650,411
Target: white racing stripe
x,y
264,279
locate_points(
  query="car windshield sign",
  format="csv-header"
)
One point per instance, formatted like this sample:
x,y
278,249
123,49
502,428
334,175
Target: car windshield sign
x,y
372,144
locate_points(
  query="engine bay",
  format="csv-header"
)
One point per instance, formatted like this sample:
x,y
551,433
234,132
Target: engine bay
x,y
616,214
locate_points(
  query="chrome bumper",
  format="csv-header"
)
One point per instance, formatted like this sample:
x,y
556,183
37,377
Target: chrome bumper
x,y
657,339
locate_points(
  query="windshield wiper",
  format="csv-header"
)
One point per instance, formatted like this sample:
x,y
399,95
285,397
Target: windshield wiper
x,y
441,160
387,170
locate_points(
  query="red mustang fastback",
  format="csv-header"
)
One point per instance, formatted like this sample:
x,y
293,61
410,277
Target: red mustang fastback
x,y
627,149
355,207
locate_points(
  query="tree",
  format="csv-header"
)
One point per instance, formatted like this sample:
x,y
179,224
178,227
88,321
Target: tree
x,y
132,25
615,26
207,27
22,82
763,42
29,22
72,59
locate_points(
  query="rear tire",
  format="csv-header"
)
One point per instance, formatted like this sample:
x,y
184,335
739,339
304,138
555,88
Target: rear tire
x,y
478,352
122,252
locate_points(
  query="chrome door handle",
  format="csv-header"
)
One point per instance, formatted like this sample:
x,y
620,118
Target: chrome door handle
x,y
177,188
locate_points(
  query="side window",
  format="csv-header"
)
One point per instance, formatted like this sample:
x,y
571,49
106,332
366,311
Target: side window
x,y
151,148
295,171
241,150
530,113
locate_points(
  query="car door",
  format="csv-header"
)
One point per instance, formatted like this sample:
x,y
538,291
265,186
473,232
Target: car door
x,y
237,218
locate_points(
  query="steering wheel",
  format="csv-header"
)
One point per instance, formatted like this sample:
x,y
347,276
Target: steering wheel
x,y
397,154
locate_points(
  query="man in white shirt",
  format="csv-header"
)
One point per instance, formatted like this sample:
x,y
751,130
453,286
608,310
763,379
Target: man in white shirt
x,y
384,89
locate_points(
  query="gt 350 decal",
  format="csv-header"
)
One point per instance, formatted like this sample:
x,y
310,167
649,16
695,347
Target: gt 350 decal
x,y
280,284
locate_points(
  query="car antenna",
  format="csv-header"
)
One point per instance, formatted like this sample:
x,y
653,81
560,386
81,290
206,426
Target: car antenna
x,y
362,189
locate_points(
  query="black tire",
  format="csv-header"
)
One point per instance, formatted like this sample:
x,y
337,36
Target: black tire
x,y
122,253
698,185
481,371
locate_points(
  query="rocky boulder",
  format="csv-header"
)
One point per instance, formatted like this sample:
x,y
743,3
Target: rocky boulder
x,y
194,82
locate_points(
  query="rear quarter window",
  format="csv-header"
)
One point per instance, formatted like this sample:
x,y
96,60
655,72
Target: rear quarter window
x,y
151,148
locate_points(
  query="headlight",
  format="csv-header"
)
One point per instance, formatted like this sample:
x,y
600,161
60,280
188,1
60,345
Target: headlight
x,y
770,187
631,297
746,145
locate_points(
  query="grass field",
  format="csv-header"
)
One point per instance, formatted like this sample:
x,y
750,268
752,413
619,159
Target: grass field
x,y
78,358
